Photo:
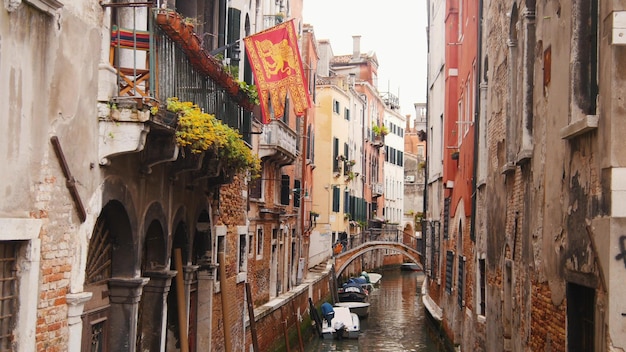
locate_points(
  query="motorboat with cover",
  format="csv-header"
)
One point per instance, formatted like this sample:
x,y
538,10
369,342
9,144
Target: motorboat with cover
x,y
353,291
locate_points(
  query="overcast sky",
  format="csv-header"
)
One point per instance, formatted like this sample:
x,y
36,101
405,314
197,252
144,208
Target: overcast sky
x,y
394,29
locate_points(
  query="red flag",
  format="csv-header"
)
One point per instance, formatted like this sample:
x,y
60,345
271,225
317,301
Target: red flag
x,y
275,60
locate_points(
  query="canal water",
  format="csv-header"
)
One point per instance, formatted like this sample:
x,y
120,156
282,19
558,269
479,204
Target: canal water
x,y
396,320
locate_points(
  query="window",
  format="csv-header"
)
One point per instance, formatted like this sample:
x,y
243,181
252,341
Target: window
x,y
461,282
335,106
586,64
8,292
581,306
507,305
250,244
259,242
467,115
285,189
297,193
241,255
449,270
220,232
286,111
256,187
336,195
335,154
346,114
460,23
459,123
482,281
446,216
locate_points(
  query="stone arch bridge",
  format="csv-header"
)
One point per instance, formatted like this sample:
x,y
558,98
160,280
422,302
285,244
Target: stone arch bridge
x,y
344,259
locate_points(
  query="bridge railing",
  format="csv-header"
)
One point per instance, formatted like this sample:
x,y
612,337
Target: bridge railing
x,y
373,234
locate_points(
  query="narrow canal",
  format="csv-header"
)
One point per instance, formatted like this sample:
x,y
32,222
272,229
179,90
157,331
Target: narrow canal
x,y
396,321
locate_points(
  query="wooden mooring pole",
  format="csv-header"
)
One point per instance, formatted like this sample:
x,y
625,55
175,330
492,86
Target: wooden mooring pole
x,y
255,339
297,319
180,300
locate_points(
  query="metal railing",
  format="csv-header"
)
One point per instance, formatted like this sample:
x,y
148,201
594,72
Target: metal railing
x,y
388,234
176,77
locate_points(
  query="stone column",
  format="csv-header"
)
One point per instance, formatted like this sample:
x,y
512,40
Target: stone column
x,y
124,296
154,312
189,274
206,283
75,305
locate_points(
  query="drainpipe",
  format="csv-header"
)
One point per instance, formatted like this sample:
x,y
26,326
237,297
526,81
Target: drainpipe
x,y
428,137
477,98
303,188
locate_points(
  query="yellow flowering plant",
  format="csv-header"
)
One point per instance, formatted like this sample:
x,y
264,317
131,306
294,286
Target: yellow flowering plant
x,y
201,132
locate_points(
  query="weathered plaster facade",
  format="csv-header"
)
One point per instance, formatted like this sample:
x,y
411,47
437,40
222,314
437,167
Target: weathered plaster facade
x,y
547,226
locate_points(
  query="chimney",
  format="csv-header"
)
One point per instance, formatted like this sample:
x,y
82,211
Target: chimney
x,y
356,47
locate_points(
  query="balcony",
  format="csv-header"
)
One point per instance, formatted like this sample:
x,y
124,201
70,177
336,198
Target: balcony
x,y
278,143
377,189
147,66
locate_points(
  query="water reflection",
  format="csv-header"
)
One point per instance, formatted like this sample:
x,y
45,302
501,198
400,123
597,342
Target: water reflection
x,y
396,321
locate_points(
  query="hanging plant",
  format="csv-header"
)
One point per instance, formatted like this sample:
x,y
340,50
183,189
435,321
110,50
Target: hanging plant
x,y
251,92
380,130
200,132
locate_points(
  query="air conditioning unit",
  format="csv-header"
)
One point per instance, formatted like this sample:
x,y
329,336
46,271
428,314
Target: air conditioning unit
x,y
409,178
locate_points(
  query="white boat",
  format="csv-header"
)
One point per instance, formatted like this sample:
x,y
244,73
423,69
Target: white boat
x,y
375,278
410,267
345,325
362,309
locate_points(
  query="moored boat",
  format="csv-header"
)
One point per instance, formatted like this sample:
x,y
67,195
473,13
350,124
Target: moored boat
x,y
352,292
410,267
345,324
362,309
374,278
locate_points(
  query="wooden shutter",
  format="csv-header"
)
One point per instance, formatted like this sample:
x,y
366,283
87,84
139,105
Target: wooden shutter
x,y
284,190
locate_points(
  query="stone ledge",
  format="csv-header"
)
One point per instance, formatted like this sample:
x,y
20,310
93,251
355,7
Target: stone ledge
x,y
582,126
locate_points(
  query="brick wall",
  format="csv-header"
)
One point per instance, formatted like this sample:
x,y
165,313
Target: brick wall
x,y
547,321
270,327
56,262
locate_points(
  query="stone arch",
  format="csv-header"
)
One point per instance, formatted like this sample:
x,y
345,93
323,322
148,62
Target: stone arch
x,y
111,264
153,266
202,244
154,253
180,234
513,22
375,245
458,225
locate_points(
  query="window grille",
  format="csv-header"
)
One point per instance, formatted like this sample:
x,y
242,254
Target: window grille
x,y
449,270
460,284
8,296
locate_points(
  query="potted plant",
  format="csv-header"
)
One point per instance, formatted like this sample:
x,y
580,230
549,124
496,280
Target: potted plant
x,y
200,132
380,130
